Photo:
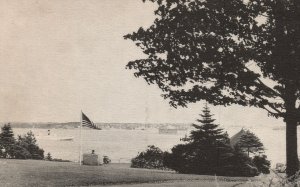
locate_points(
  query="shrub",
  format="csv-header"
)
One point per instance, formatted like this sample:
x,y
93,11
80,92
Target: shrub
x,y
182,159
152,158
106,160
262,164
49,157
190,159
59,160
238,163
28,142
20,152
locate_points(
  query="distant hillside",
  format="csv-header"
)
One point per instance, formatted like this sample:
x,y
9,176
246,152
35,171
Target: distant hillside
x,y
44,125
71,125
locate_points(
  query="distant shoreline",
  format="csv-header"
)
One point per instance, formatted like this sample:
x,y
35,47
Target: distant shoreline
x,y
74,125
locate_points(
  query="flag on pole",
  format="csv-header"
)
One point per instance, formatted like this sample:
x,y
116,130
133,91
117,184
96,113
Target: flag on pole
x,y
86,122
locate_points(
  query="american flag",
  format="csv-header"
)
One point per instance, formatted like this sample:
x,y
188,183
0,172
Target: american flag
x,y
86,122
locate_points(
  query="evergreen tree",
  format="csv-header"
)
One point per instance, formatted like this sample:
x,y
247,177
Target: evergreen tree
x,y
28,142
7,141
210,144
208,151
208,133
24,147
250,143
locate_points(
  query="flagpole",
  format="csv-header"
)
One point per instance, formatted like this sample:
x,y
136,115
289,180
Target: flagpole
x,y
80,152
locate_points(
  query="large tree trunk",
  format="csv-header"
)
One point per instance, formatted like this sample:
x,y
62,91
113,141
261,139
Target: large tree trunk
x,y
292,161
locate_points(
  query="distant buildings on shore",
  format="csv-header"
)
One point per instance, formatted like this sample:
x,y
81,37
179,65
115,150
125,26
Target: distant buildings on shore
x,y
163,127
168,130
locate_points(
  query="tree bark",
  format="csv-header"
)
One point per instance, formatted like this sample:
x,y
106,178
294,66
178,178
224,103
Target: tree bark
x,y
292,161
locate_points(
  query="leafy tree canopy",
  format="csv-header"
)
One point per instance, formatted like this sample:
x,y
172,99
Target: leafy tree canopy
x,y
225,52
244,52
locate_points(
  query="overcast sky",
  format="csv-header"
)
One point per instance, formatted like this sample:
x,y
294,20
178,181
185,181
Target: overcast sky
x,y
58,57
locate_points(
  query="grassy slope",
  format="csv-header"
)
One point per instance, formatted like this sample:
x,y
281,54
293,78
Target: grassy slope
x,y
43,173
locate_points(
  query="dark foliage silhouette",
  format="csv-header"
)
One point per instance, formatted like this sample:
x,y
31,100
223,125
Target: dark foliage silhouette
x,y
207,151
24,147
250,143
226,52
7,141
152,158
28,142
262,164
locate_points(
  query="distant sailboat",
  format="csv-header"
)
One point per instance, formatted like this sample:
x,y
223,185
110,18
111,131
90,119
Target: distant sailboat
x,y
67,139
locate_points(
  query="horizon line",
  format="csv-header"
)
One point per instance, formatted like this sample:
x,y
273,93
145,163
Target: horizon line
x,y
100,122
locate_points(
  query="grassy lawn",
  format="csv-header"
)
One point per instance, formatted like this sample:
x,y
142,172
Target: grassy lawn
x,y
44,173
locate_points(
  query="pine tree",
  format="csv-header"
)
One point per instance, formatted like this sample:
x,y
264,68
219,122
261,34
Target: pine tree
x,y
206,150
7,141
28,141
250,143
208,133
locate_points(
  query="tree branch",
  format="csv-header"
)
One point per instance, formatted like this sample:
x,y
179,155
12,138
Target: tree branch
x,y
273,113
274,108
265,86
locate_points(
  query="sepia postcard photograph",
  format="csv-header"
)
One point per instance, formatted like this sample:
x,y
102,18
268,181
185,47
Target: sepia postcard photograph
x,y
149,93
